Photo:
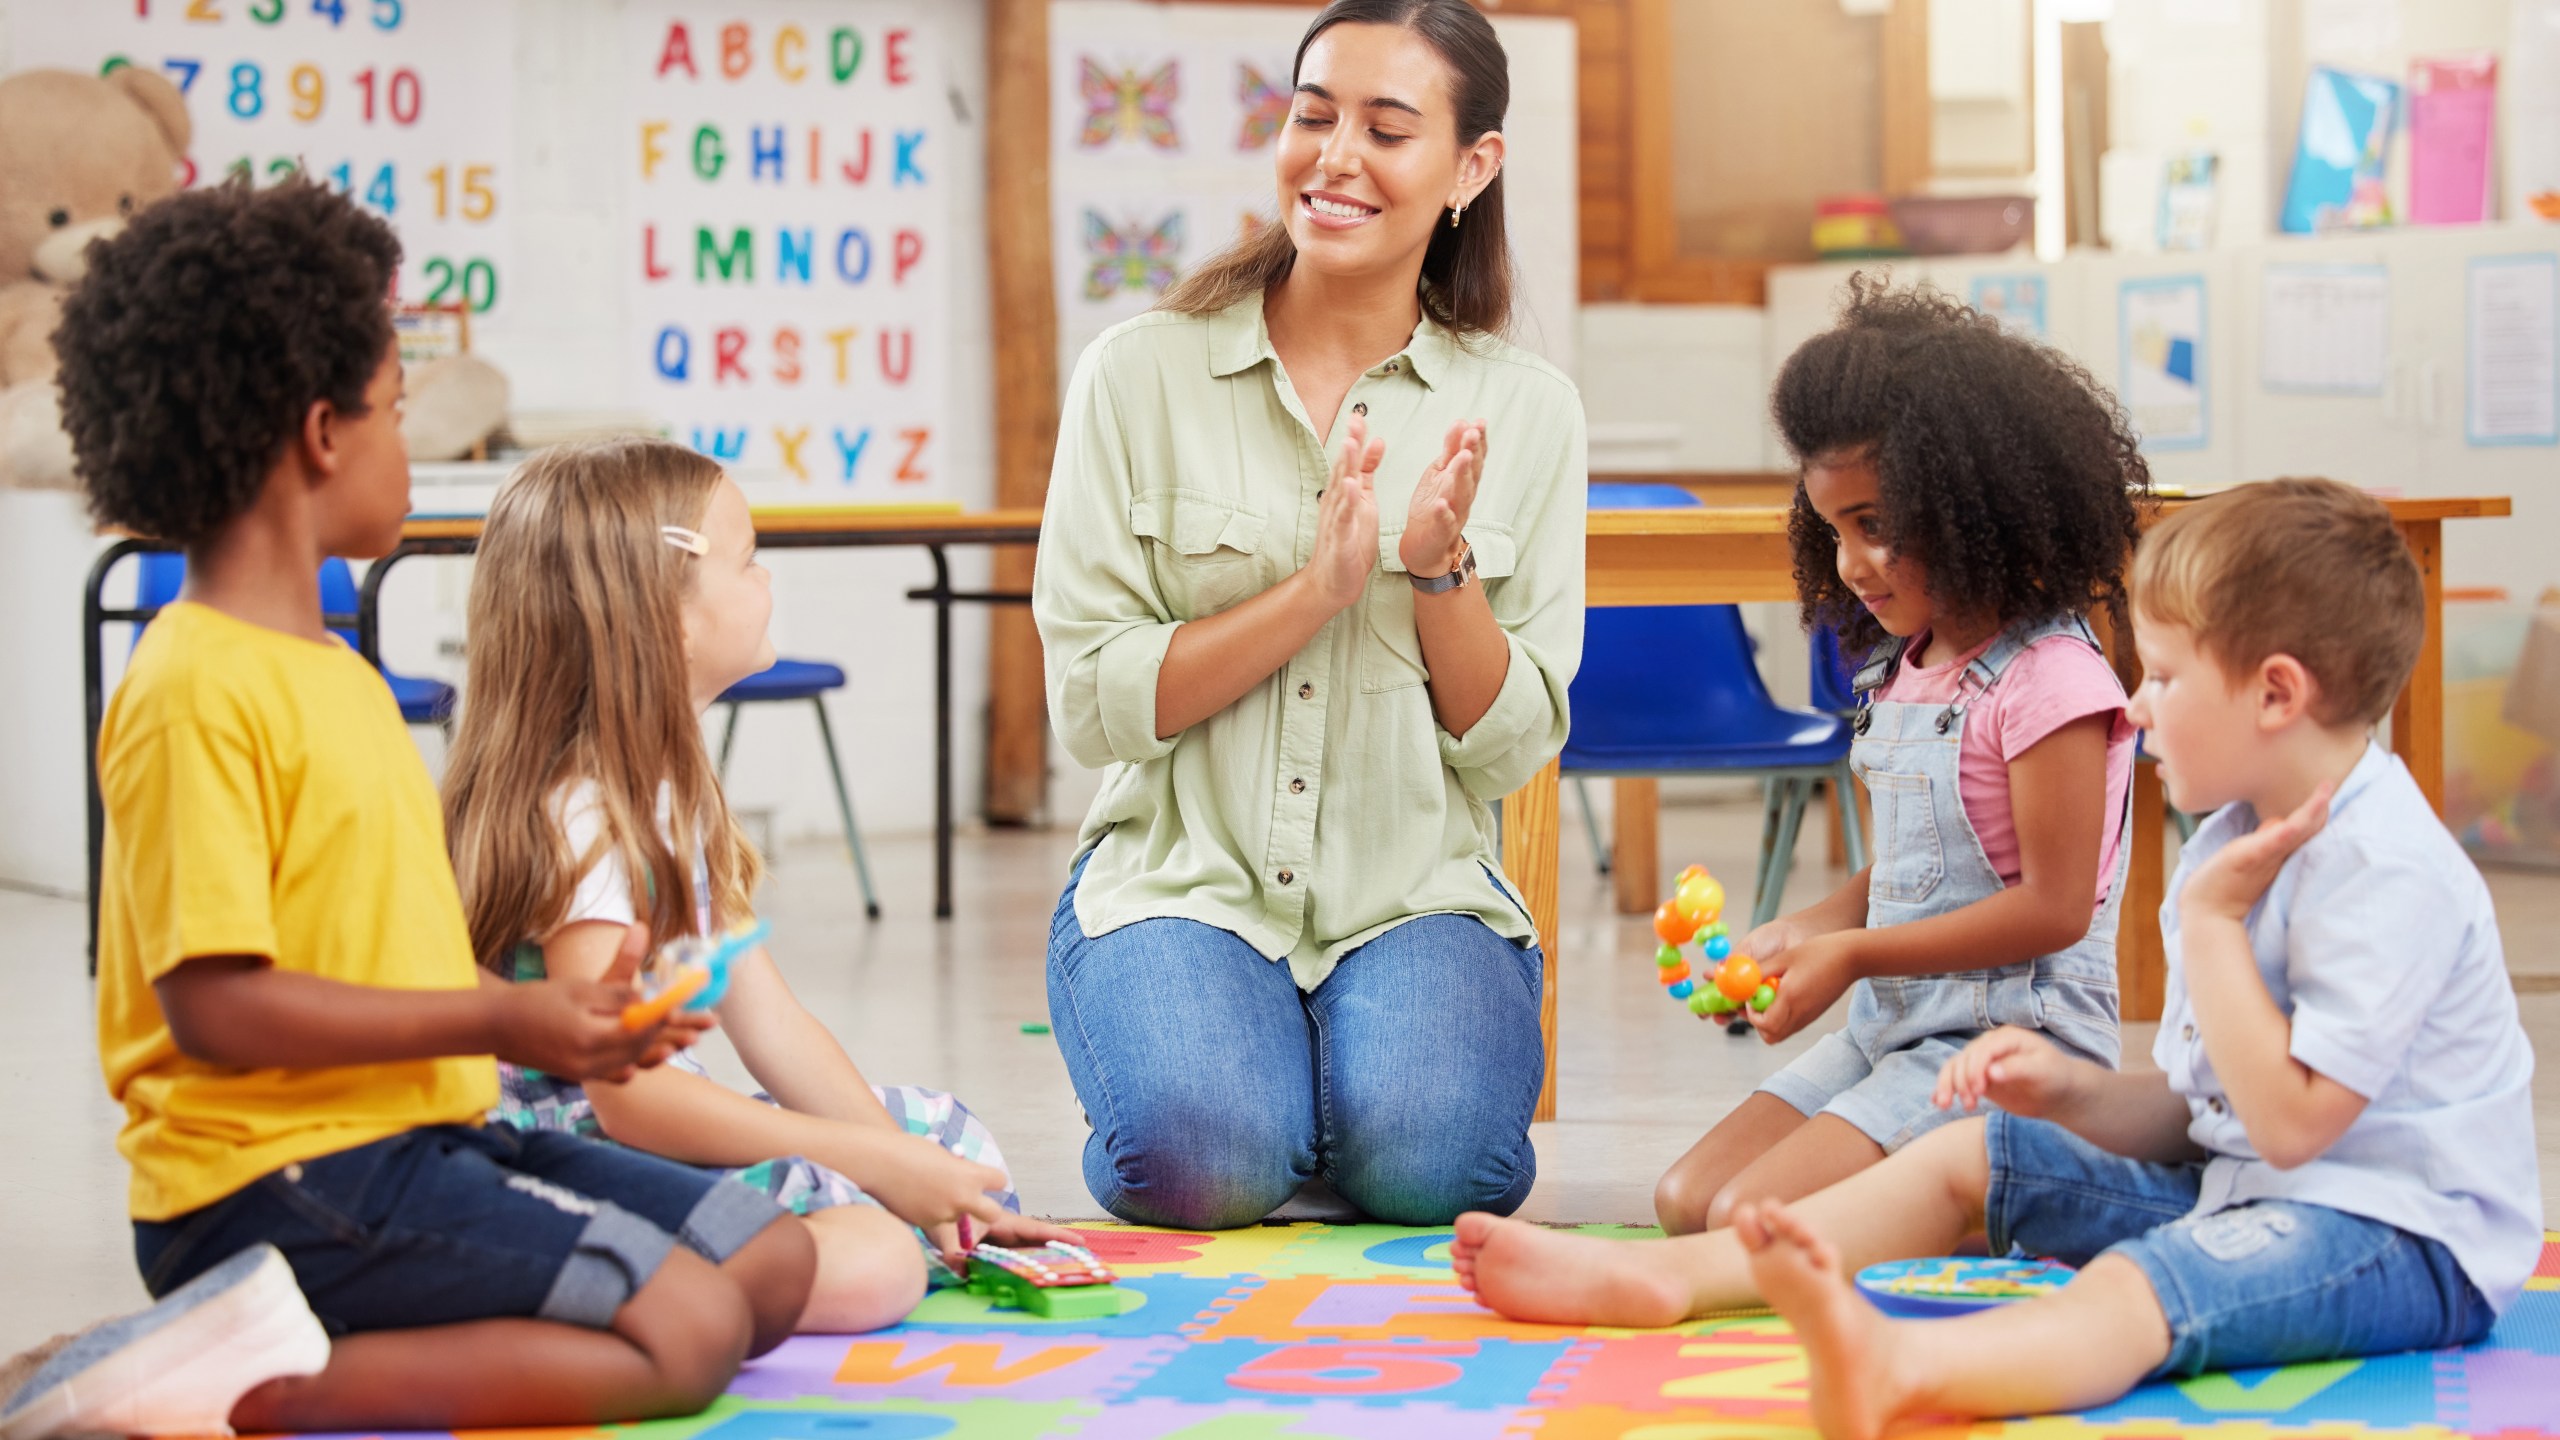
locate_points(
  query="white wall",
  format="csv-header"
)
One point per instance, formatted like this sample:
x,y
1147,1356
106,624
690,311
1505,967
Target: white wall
x,y
2408,439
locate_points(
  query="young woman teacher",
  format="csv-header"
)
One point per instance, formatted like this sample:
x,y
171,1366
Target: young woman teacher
x,y
1310,587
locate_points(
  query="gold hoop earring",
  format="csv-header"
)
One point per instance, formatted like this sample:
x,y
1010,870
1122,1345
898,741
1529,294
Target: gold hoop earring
x,y
1460,209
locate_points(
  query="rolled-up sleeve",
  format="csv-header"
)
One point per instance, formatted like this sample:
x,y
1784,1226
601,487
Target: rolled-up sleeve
x,y
1103,627
1539,606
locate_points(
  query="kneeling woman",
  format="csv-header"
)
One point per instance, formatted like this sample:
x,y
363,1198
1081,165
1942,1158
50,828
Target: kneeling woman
x,y
1311,587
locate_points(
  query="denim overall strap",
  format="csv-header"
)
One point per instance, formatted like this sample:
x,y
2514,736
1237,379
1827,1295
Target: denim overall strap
x,y
1929,862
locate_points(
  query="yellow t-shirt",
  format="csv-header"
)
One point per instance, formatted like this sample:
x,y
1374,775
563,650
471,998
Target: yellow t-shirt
x,y
263,798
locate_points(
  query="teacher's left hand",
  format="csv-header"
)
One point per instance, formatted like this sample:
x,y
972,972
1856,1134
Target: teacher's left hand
x,y
1442,499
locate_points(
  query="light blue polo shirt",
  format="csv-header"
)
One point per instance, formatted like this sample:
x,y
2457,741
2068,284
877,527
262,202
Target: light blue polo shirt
x,y
2378,939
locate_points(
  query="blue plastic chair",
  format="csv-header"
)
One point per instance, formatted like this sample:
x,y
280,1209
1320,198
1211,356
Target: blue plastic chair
x,y
422,701
808,680
1637,714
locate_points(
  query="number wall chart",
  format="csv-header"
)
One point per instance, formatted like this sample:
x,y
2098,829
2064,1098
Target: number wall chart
x,y
407,105
788,196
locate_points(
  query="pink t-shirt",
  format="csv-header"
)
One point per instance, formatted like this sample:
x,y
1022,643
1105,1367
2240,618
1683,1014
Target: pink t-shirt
x,y
2053,682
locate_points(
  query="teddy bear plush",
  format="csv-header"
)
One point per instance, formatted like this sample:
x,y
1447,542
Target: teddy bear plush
x,y
79,154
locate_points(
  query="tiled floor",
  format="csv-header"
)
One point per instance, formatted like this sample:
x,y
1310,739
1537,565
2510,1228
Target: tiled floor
x,y
944,1005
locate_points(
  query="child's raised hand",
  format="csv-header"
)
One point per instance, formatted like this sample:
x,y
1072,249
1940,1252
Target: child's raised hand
x,y
2239,873
2016,1069
1811,972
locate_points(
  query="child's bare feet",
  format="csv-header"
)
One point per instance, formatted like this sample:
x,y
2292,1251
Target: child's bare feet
x,y
1858,1389
1539,1275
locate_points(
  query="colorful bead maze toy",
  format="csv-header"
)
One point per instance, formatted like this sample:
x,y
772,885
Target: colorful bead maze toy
x,y
1057,1281
1694,914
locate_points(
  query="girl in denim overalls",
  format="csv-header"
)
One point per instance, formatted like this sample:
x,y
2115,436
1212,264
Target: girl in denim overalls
x,y
1967,496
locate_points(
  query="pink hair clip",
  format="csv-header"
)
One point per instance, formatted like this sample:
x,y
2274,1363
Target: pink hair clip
x,y
689,541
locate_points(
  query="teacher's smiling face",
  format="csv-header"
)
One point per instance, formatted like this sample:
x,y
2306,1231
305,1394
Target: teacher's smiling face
x,y
1370,160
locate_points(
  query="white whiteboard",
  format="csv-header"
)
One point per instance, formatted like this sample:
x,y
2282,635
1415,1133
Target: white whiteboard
x,y
1178,184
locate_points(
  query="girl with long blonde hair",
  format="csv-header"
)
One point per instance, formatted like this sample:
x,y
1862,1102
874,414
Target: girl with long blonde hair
x,y
616,596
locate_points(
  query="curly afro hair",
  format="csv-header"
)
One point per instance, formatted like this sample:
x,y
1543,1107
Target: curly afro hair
x,y
2008,473
204,333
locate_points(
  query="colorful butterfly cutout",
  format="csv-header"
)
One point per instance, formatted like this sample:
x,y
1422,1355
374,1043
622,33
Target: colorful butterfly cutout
x,y
1131,257
1265,107
1122,103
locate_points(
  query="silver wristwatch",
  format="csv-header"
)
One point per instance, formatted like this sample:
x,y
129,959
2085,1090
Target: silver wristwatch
x,y
1456,578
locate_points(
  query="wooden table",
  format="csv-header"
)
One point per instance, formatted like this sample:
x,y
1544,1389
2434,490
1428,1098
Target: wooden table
x,y
787,527
806,527
1738,554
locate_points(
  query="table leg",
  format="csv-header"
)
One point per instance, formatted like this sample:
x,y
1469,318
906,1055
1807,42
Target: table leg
x,y
369,601
1635,844
1529,833
2142,961
93,677
941,733
2417,717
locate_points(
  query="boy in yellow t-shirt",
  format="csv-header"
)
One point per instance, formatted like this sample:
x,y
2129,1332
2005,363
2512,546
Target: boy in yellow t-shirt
x,y
287,1004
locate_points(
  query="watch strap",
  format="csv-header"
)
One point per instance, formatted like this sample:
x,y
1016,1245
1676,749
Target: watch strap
x,y
1456,578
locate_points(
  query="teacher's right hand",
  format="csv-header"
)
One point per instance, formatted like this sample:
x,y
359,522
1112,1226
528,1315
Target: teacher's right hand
x,y
1347,521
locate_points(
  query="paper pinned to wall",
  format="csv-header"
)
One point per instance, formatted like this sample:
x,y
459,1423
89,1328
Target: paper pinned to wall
x,y
2325,329
2161,360
2532,141
2512,364
2453,109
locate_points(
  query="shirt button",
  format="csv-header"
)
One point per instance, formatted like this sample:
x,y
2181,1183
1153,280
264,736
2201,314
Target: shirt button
x,y
2188,1034
1297,787
1307,692
2214,1104
1360,407
1394,365
1286,877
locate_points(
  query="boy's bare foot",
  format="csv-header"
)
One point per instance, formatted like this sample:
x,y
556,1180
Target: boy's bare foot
x,y
1858,1389
1539,1275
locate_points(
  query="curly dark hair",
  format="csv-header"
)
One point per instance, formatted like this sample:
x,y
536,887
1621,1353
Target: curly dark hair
x,y
2002,467
202,335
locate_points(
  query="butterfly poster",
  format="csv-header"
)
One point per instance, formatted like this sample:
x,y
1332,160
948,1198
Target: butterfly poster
x,y
1166,123
1266,105
1136,256
1122,103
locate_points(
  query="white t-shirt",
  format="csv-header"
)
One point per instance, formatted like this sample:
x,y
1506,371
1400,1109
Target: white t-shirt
x,y
2378,940
604,891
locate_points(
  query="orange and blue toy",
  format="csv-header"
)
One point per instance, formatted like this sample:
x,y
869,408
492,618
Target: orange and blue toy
x,y
1695,915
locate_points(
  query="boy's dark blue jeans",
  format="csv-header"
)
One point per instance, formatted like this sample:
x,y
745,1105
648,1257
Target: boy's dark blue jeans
x,y
451,1223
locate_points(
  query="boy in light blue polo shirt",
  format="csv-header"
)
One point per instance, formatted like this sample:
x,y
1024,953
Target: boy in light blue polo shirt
x,y
2336,1155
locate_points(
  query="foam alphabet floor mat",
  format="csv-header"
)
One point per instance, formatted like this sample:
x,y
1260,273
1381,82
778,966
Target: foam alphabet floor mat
x,y
1360,1332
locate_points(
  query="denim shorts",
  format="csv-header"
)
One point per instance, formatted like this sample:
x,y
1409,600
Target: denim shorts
x,y
2273,1282
1887,1098
450,1223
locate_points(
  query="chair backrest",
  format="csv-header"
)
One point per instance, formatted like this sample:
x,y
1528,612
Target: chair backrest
x,y
1834,679
164,574
1664,675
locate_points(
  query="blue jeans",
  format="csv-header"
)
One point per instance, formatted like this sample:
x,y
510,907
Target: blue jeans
x,y
2273,1282
464,1222
1216,1087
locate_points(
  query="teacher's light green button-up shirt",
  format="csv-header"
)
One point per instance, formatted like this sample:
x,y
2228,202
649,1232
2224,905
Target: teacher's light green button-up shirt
x,y
1326,805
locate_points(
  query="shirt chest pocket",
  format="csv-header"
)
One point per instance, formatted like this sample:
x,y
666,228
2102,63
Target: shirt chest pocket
x,y
1205,551
1390,646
